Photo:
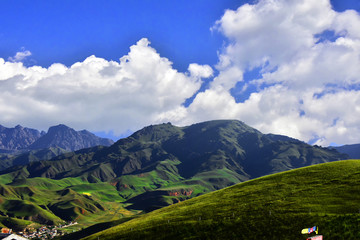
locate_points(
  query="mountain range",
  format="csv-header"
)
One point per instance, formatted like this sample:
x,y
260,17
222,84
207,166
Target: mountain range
x,y
62,136
229,146
17,138
68,139
156,166
159,165
353,150
21,145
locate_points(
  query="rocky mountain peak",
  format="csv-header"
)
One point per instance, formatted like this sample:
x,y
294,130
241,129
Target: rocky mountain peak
x,y
60,127
69,139
22,138
17,138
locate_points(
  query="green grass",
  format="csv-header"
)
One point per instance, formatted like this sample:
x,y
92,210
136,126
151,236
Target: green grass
x,y
92,229
77,199
163,175
271,207
15,224
6,178
104,192
47,183
49,201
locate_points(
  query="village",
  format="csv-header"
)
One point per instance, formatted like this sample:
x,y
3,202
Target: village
x,y
44,232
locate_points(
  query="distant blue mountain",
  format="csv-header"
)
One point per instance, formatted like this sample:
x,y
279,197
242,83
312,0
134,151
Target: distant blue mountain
x,y
353,150
68,139
19,145
17,138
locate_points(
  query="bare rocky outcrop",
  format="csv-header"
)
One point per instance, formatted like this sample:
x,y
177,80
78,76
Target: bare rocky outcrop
x,y
17,138
68,139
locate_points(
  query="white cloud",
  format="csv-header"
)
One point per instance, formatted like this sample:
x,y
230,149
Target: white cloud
x,y
20,56
309,89
97,94
348,23
202,71
272,31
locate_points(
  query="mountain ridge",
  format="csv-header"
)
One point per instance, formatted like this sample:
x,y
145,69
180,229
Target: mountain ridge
x,y
68,139
199,158
192,143
19,145
156,166
23,138
17,138
353,150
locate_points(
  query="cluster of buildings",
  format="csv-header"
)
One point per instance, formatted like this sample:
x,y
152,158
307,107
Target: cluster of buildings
x,y
43,232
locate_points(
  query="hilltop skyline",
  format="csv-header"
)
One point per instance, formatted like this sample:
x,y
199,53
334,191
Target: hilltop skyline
x,y
283,67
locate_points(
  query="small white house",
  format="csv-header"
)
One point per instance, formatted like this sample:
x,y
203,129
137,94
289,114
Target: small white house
x,y
7,236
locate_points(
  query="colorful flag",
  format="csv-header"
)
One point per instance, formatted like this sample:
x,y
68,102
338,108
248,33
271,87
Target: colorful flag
x,y
310,230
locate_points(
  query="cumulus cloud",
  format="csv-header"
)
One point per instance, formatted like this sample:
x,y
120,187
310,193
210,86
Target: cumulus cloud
x,y
202,71
97,94
272,31
20,56
308,86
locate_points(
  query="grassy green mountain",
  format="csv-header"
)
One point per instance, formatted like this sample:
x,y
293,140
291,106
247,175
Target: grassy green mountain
x,y
24,157
163,164
278,206
155,167
47,201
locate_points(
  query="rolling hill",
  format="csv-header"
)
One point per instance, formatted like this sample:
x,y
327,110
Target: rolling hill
x,y
51,202
277,206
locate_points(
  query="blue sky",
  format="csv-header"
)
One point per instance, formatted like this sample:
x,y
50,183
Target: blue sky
x,y
38,34
70,31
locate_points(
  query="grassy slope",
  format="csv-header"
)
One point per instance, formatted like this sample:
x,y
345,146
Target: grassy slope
x,y
22,158
93,229
67,197
271,207
43,200
75,198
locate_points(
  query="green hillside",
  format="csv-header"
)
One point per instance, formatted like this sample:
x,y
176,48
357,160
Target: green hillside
x,y
162,164
23,157
155,167
48,201
277,206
